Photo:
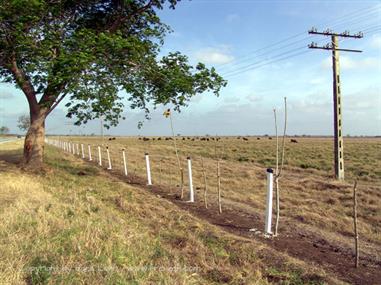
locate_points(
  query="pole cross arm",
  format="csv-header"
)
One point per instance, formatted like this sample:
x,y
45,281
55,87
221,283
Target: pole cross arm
x,y
345,34
331,48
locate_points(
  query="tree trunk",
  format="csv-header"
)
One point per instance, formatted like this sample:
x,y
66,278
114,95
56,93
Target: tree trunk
x,y
34,142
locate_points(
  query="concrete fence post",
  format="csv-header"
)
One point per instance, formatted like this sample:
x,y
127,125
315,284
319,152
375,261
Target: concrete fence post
x,y
83,153
109,159
77,149
99,156
149,181
269,201
89,149
124,162
191,193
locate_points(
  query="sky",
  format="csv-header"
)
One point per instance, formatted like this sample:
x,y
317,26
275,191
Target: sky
x,y
260,47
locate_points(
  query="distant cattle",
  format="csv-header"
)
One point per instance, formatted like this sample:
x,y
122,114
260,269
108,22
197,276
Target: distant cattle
x,y
270,138
145,139
294,141
258,138
245,139
159,138
112,139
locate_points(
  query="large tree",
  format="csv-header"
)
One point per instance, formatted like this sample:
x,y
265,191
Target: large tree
x,y
96,53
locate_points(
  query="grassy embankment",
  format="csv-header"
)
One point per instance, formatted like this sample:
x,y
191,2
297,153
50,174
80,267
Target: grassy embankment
x,y
310,197
75,224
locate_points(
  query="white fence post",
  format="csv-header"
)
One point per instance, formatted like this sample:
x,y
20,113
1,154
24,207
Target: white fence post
x,y
148,170
69,147
109,160
73,148
99,156
269,201
191,193
77,149
124,162
83,153
89,149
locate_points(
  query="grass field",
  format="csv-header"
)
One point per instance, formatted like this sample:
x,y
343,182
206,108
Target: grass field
x,y
77,224
311,199
80,215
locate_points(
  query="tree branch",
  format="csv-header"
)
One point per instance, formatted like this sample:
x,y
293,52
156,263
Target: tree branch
x,y
25,85
115,25
54,105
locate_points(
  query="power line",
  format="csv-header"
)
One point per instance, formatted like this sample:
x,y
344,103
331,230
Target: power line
x,y
272,47
267,63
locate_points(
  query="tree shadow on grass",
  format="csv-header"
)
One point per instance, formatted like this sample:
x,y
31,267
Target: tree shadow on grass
x,y
9,157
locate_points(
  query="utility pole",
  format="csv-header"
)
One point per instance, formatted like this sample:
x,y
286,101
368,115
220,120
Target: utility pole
x,y
337,102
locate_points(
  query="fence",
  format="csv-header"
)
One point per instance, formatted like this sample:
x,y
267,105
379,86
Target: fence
x,y
158,170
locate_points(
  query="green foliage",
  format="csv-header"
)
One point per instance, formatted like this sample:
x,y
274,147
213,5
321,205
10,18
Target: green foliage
x,y
4,130
23,122
40,271
97,53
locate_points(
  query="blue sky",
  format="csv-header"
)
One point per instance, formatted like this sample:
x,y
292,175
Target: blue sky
x,y
245,41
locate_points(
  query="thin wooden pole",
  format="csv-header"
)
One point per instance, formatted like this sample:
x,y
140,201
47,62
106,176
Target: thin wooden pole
x,y
205,185
160,172
278,172
182,182
355,224
219,187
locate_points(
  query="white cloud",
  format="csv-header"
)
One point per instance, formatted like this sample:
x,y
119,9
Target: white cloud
x,y
349,63
254,98
317,81
214,56
375,42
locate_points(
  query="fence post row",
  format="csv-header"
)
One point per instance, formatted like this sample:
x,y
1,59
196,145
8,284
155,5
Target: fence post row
x,y
269,201
71,148
149,181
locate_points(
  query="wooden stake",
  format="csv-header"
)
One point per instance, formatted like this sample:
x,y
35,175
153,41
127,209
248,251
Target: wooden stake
x,y
182,182
278,172
160,172
219,187
355,224
205,186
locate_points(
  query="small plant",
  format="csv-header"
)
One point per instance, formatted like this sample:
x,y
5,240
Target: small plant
x,y
40,271
278,171
167,114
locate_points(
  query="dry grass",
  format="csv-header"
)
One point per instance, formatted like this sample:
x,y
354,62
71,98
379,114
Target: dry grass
x,y
310,197
76,224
